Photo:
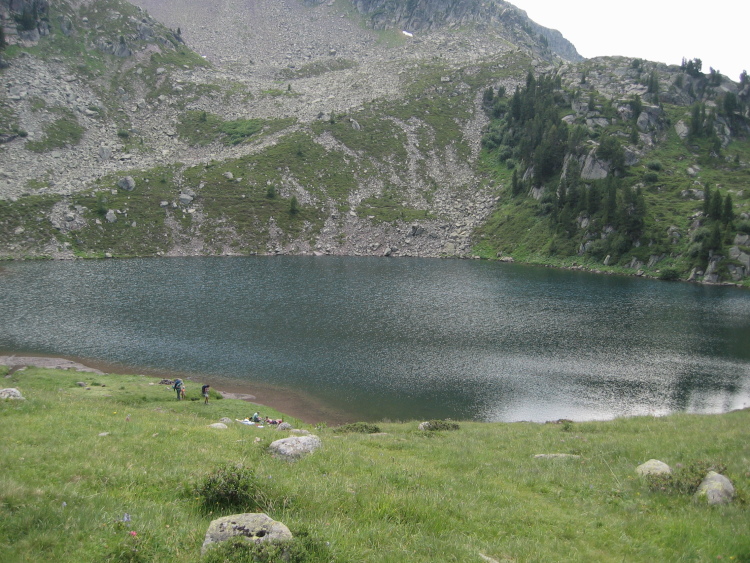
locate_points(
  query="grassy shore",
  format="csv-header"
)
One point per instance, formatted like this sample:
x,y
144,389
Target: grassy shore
x,y
76,460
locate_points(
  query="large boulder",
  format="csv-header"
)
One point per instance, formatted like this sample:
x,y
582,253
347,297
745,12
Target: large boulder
x,y
252,527
127,183
653,467
294,447
11,393
593,168
715,489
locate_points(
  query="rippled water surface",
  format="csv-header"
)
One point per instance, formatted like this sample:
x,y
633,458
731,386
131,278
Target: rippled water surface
x,y
397,338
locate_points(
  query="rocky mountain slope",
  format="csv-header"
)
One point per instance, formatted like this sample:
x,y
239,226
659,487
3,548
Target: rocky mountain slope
x,y
289,126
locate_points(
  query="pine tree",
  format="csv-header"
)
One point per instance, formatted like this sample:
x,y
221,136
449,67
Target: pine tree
x,y
707,201
727,215
516,185
715,207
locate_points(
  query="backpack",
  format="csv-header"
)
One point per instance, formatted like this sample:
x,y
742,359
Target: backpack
x,y
177,384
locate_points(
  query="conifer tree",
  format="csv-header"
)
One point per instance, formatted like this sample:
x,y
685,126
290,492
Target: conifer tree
x,y
727,215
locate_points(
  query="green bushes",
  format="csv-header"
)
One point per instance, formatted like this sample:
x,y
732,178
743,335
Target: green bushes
x,y
359,427
669,274
232,488
685,479
435,425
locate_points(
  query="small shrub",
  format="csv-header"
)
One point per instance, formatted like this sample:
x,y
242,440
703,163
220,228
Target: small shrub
x,y
358,427
123,133
232,487
669,274
684,480
436,425
654,165
294,205
650,177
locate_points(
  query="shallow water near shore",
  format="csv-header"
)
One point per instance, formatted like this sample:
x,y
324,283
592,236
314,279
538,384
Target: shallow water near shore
x,y
344,338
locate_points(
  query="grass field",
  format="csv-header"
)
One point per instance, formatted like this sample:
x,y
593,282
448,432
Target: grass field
x,y
472,494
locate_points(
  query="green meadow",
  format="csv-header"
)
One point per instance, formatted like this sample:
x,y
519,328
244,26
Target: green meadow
x,y
76,460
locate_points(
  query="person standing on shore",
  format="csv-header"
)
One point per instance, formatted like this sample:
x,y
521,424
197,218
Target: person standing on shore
x,y
204,392
178,386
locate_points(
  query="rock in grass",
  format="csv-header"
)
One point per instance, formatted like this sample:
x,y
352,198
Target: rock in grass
x,y
127,183
11,393
715,489
253,527
294,447
653,467
556,456
218,425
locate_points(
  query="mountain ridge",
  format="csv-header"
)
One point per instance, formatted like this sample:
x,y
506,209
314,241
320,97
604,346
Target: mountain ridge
x,y
333,136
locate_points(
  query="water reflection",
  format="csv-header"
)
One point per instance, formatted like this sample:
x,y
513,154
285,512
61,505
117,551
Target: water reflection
x,y
398,339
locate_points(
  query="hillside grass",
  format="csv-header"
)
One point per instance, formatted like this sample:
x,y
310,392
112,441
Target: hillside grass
x,y
400,495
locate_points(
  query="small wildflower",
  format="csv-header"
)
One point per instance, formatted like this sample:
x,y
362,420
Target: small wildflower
x,y
64,504
126,517
133,533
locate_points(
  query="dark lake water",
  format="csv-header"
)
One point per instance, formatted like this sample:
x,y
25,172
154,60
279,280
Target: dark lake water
x,y
401,339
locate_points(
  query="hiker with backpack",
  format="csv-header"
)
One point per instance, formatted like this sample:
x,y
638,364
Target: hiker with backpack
x,y
204,392
179,386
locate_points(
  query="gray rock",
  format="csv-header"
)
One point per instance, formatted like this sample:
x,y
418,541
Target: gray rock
x,y
185,199
145,32
226,420
111,216
294,447
252,527
649,118
121,49
740,255
653,467
218,426
11,393
29,35
682,130
556,456
594,169
715,489
127,183
66,26
284,426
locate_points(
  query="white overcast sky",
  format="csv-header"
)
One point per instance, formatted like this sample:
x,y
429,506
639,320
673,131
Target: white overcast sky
x,y
657,30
